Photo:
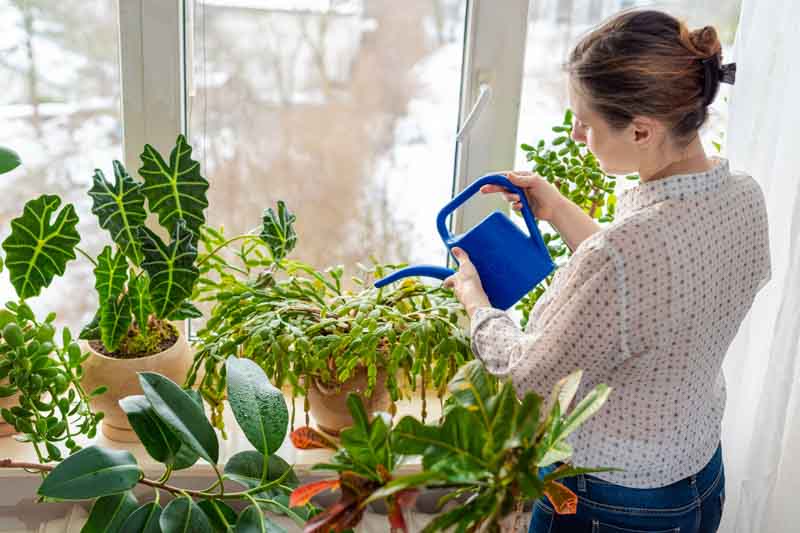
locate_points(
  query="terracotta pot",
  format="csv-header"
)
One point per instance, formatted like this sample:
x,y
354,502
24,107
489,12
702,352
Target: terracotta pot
x,y
120,376
7,403
328,405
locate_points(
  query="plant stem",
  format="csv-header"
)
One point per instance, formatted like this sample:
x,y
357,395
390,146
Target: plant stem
x,y
223,245
87,256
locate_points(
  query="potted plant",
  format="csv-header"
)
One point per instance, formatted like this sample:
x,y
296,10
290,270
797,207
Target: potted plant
x,y
175,431
310,332
574,170
143,283
486,451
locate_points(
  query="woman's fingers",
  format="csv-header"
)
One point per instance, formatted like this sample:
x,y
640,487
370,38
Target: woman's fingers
x,y
509,196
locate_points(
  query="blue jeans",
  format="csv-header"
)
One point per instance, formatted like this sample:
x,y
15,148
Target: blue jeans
x,y
691,505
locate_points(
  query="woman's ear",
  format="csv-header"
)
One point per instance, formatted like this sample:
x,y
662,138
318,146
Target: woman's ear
x,y
644,131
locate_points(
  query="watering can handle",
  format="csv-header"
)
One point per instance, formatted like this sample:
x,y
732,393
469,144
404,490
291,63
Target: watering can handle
x,y
474,187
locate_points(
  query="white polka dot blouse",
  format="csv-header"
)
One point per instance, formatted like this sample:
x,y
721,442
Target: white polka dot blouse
x,y
648,305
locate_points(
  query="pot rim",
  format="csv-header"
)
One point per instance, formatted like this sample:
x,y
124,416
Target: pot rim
x,y
180,341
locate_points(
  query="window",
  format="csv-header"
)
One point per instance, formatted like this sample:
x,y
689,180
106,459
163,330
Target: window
x,y
345,109
59,109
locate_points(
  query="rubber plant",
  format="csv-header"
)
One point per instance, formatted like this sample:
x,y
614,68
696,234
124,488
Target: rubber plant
x,y
486,449
575,171
172,425
142,281
300,324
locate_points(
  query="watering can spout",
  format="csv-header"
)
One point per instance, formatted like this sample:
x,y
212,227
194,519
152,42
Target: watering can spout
x,y
429,271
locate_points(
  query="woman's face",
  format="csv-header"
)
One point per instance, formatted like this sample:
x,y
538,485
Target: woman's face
x,y
614,149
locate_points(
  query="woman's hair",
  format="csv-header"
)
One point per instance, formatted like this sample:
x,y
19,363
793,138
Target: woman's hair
x,y
646,63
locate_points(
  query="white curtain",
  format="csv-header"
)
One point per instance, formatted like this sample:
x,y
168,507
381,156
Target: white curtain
x,y
761,428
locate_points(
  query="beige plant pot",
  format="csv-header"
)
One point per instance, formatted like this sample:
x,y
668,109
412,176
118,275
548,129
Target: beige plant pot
x,y
7,403
120,376
328,405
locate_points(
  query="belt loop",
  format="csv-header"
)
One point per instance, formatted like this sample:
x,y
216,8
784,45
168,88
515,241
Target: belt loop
x,y
581,483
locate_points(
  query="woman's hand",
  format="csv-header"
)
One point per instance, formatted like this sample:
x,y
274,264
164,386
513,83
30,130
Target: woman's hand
x,y
543,197
467,284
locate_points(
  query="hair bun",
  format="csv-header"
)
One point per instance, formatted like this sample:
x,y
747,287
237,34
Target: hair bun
x,y
705,41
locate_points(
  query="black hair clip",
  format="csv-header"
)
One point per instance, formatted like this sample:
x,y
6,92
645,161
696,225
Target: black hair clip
x,y
714,74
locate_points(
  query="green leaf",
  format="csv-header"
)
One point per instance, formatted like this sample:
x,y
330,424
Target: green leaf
x,y
590,404
110,512
143,520
159,441
220,514
502,412
461,436
471,387
38,247
185,310
181,414
252,520
9,160
171,269
259,408
278,231
90,473
115,319
183,515
110,274
91,331
565,389
120,209
247,469
558,451
139,296
176,191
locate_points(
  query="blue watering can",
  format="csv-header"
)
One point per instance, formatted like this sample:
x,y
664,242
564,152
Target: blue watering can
x,y
509,262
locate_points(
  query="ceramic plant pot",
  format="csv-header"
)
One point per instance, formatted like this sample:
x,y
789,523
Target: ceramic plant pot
x,y
120,376
328,404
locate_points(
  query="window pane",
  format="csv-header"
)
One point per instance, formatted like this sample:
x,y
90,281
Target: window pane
x,y
347,110
554,27
59,109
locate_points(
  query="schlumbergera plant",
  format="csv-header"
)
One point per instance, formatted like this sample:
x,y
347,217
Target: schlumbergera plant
x,y
575,171
487,449
173,427
301,324
40,381
143,282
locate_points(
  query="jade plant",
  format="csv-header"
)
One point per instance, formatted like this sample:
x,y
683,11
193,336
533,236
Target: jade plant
x,y
172,425
574,170
301,324
487,450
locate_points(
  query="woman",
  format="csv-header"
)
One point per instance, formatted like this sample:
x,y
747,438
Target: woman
x,y
649,304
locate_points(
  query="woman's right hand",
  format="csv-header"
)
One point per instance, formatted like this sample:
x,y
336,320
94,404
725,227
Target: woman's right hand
x,y
543,197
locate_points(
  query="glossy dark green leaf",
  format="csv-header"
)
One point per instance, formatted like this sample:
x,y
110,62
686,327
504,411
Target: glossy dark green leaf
x,y
259,408
110,274
120,209
171,268
185,310
159,441
91,331
39,247
176,191
461,435
181,414
252,520
182,515
115,320
110,512
247,468
221,516
9,160
278,231
139,296
90,473
143,520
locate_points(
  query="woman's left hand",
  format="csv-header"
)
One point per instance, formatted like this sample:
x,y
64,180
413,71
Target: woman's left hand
x,y
467,284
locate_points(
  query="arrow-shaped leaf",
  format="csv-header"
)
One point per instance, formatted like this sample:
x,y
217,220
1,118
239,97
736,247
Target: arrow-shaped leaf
x,y
39,247
171,268
115,319
119,208
278,231
109,274
139,295
176,191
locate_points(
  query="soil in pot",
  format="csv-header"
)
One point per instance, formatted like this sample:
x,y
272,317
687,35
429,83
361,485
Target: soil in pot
x,y
119,374
328,404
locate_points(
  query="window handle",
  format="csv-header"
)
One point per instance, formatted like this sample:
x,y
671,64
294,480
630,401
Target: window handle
x,y
484,96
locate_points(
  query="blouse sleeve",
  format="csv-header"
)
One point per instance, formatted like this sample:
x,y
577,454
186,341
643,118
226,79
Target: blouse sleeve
x,y
578,326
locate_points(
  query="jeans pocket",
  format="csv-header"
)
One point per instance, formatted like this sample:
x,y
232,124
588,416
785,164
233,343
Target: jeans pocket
x,y
541,519
600,527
